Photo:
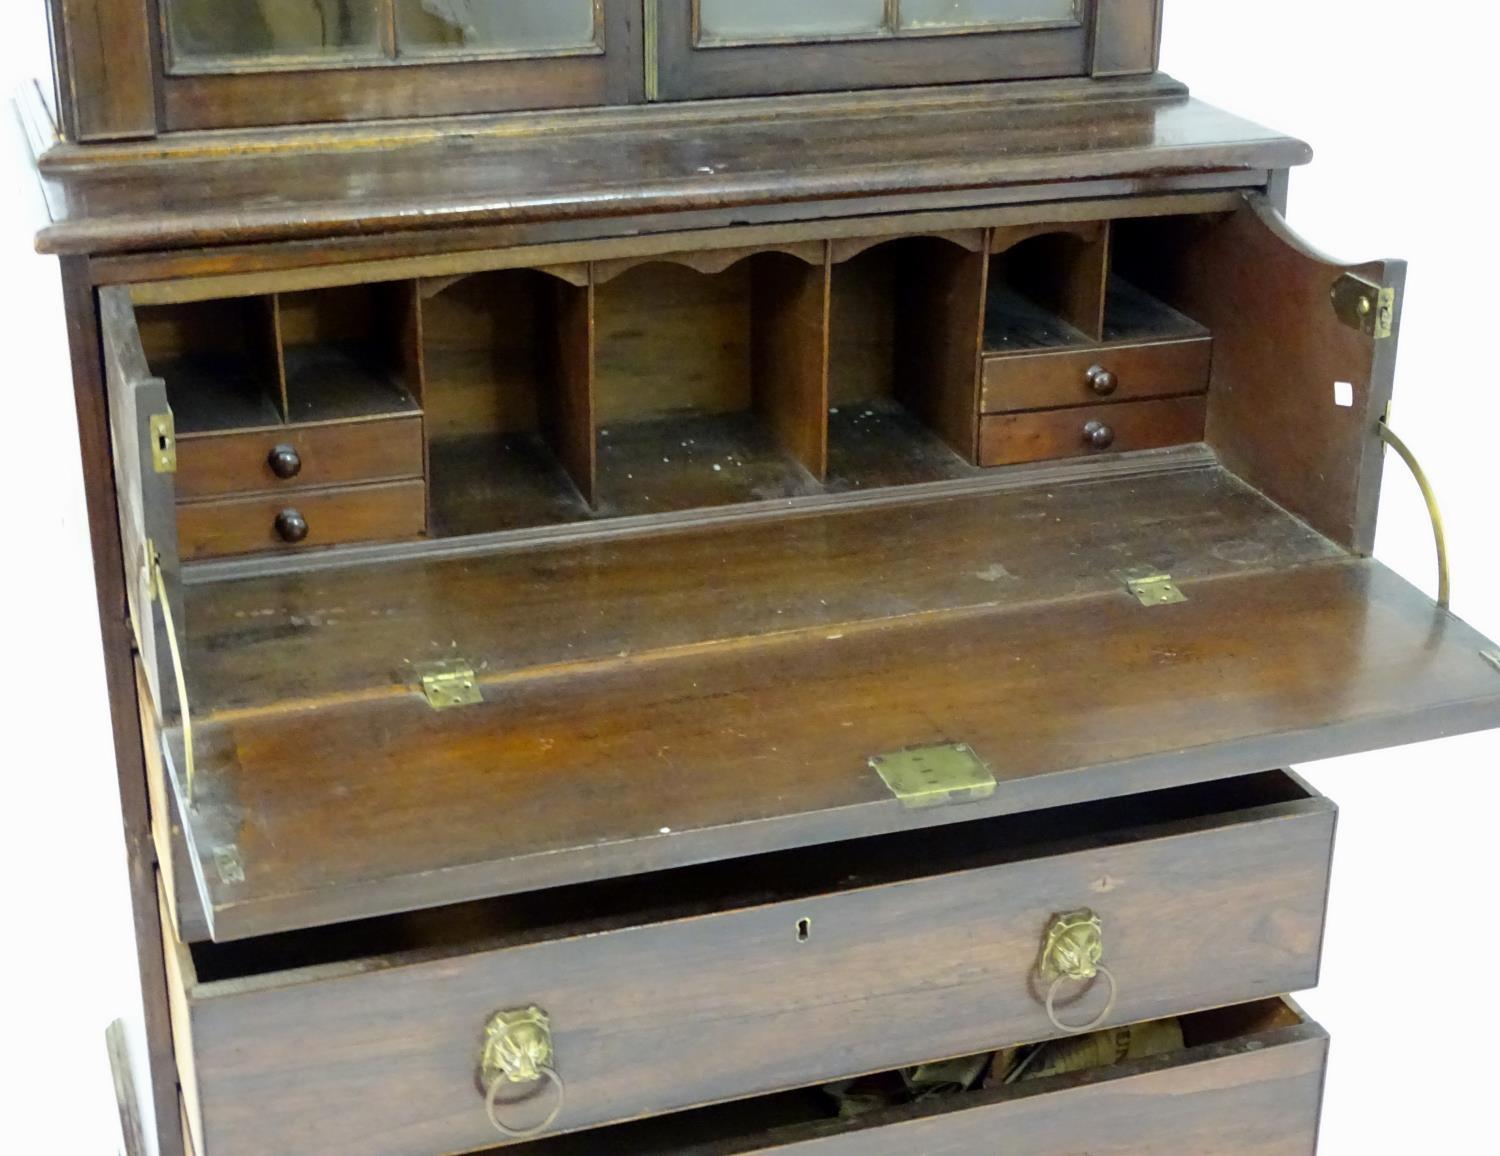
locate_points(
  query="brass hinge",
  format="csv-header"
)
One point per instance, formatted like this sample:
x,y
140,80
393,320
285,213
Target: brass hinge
x,y
1155,590
1363,305
450,683
163,443
934,776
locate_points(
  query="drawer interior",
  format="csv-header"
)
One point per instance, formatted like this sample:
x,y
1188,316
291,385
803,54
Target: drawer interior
x,y
753,881
811,1118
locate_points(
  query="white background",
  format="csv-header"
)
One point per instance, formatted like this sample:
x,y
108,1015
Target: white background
x,y
1398,100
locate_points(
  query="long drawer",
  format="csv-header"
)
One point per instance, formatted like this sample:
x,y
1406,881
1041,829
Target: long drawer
x,y
1247,1082
742,979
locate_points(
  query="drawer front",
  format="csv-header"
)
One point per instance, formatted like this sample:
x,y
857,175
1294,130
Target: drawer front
x,y
1088,376
380,513
299,457
1085,431
1247,1083
381,1056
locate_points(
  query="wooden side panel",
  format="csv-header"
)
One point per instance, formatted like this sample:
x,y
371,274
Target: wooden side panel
x,y
940,291
789,354
1279,350
1127,36
566,400
148,531
661,1017
110,88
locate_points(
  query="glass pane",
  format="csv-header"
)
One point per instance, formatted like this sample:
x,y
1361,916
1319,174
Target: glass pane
x,y
983,13
494,25
763,20
205,30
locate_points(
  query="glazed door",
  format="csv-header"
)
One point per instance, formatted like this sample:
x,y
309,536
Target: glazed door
x,y
143,445
745,47
231,63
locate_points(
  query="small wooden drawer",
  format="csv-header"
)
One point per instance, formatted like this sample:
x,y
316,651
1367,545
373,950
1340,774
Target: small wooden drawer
x,y
1016,382
299,457
1083,431
302,520
750,977
1249,1080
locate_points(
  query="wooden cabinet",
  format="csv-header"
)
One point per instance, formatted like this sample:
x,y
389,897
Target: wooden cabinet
x,y
711,627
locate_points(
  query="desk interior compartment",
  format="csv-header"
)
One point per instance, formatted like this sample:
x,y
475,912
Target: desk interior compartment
x,y
711,379
904,332
509,384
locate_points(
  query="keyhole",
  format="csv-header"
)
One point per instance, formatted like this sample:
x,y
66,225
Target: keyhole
x,y
804,930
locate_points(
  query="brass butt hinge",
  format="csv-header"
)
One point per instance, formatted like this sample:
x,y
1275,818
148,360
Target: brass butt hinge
x,y
163,443
450,683
1363,305
935,776
1155,590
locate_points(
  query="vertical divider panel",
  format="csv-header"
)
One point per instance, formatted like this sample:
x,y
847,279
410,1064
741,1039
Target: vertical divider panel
x,y
939,333
276,362
567,408
789,333
411,356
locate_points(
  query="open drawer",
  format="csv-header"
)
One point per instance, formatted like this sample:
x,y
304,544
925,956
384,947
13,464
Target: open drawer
x,y
1249,1079
721,982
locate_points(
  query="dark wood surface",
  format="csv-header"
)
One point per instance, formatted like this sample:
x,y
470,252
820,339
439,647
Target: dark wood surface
x,y
611,163
1248,1084
1209,908
260,645
719,752
1084,431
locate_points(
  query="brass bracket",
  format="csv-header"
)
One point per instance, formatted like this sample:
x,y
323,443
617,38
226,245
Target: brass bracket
x,y
163,443
1155,590
1073,948
935,776
1363,305
1429,495
517,1046
1492,657
450,683
159,594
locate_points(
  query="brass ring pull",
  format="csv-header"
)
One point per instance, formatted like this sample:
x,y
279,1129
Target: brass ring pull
x,y
1094,1024
1073,952
492,1104
518,1051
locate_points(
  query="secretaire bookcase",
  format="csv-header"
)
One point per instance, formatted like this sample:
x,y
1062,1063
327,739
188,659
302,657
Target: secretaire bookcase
x,y
721,576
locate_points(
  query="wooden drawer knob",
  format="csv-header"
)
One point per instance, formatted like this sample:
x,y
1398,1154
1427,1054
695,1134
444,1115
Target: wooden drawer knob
x,y
1097,435
1102,381
285,462
291,526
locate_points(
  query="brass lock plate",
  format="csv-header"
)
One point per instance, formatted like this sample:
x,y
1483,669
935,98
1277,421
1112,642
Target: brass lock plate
x,y
1363,305
935,776
163,443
